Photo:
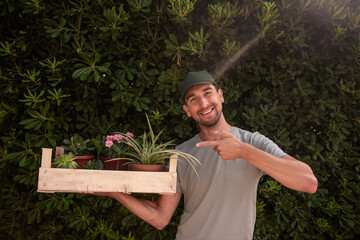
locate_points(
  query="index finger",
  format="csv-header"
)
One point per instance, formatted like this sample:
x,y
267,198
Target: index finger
x,y
225,133
207,143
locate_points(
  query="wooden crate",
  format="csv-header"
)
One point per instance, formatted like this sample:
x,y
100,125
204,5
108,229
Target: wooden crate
x,y
86,180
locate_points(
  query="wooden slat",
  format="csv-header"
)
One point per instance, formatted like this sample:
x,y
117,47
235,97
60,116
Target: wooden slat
x,y
84,180
46,157
173,163
59,151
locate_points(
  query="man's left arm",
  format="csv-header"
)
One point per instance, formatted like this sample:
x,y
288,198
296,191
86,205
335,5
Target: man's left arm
x,y
287,170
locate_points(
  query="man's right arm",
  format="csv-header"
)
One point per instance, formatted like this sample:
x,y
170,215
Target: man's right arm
x,y
157,214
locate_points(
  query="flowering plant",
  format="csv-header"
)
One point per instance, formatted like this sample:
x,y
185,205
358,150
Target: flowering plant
x,y
113,145
147,151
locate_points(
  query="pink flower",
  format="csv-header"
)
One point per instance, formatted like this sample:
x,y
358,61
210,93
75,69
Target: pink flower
x,y
117,137
129,134
110,138
109,144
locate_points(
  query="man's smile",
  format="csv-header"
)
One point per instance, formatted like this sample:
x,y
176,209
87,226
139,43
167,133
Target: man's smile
x,y
206,112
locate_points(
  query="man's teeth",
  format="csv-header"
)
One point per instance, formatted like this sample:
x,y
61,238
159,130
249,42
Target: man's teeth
x,y
203,113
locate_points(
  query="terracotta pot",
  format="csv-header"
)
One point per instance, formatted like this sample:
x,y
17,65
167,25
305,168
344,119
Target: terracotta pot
x,y
148,168
114,165
83,160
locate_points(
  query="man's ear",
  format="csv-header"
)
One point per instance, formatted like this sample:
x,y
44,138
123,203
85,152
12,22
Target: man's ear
x,y
220,92
186,109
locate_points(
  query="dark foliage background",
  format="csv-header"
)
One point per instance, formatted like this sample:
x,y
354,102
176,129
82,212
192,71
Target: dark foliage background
x,y
94,67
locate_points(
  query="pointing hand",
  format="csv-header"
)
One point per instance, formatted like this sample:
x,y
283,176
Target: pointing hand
x,y
228,148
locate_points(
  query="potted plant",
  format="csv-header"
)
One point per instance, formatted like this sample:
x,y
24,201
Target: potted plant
x,y
113,151
81,148
65,161
69,161
147,152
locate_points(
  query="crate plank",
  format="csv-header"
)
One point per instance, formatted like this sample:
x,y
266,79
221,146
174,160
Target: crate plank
x,y
85,180
46,157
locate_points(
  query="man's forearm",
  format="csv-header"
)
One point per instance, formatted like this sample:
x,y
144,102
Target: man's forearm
x,y
157,214
289,171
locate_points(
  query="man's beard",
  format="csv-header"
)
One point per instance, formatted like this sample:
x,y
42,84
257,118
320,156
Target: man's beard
x,y
212,122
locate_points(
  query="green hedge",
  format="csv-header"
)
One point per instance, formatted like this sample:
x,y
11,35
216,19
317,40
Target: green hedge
x,y
93,67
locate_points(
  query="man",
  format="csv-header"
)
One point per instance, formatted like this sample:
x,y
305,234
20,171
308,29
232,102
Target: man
x,y
221,204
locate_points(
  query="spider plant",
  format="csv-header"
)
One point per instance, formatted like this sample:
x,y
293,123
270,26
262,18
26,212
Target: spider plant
x,y
148,152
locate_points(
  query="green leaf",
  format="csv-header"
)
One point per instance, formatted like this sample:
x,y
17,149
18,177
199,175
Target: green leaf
x,y
79,72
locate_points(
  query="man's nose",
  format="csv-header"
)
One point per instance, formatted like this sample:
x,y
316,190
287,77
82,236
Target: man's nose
x,y
203,102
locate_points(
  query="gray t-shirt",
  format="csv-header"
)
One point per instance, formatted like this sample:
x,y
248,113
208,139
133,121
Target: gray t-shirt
x,y
222,203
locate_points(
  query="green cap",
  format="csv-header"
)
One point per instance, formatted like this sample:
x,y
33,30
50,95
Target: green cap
x,y
195,78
